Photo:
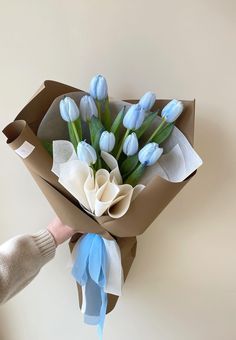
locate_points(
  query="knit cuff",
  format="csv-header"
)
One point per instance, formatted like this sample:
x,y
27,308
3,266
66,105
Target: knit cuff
x,y
46,244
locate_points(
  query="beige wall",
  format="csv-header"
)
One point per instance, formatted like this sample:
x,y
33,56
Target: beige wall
x,y
182,285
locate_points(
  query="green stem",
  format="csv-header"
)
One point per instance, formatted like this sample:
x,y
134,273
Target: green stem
x,y
99,109
78,128
98,163
121,144
93,166
91,132
157,130
75,132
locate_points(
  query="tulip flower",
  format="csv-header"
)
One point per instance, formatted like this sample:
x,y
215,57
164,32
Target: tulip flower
x,y
70,113
134,117
87,108
147,101
86,153
107,141
149,154
98,88
130,146
169,114
172,110
68,109
133,120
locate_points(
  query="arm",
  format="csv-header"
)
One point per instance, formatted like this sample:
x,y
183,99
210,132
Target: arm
x,y
22,257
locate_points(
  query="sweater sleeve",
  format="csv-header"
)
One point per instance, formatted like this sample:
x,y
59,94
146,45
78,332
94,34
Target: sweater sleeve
x,y
21,258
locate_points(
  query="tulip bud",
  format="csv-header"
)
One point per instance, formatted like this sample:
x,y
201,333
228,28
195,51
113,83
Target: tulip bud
x,y
88,108
107,141
149,154
86,153
130,146
172,110
147,101
98,88
134,117
68,109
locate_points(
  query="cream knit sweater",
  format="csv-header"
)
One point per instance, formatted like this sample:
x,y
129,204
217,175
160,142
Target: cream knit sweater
x,y
21,258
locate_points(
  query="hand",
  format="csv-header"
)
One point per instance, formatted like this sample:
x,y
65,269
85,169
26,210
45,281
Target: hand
x,y
60,231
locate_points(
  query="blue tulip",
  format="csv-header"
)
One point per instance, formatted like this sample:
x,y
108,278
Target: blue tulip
x,y
68,109
134,117
107,141
88,108
172,110
86,153
98,88
149,154
147,101
130,146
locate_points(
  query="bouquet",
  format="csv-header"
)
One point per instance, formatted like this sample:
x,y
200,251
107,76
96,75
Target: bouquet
x,y
108,168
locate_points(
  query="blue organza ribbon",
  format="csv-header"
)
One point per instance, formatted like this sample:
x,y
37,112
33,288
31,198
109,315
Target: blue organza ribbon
x,y
90,270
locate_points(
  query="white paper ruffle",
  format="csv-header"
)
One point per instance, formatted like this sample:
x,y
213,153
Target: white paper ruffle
x,y
98,193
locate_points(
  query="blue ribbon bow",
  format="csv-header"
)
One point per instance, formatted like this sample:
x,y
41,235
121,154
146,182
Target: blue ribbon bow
x,y
89,270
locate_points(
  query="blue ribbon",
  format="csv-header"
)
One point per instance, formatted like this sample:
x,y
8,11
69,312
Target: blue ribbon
x,y
89,270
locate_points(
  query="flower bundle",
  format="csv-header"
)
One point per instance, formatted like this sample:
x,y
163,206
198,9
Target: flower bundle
x,y
103,169
101,163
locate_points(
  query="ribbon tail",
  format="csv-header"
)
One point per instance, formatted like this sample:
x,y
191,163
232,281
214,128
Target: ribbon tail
x,y
93,298
98,269
102,314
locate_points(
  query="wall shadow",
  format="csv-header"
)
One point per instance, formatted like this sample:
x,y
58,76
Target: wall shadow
x,y
3,325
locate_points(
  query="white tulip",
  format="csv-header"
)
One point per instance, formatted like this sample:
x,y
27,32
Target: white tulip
x,y
149,154
130,146
88,108
98,87
68,109
134,117
147,101
86,153
172,110
107,141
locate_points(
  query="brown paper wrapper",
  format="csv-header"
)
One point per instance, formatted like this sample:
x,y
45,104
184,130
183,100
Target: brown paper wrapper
x,y
143,210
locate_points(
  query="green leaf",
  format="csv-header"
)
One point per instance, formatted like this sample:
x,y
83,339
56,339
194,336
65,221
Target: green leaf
x,y
129,165
163,134
99,107
96,129
135,176
115,128
146,124
72,136
48,146
106,115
